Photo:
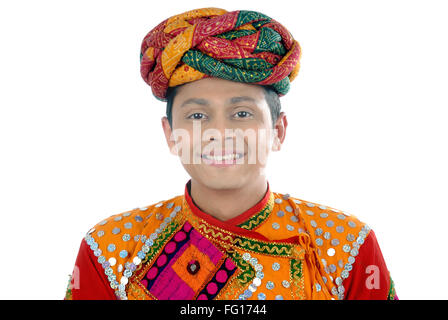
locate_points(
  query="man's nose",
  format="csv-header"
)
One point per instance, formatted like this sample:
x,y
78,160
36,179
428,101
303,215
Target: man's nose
x,y
221,129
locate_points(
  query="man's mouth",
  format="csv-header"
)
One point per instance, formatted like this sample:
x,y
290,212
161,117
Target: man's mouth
x,y
221,157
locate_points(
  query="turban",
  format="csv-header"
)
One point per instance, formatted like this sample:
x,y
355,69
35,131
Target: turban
x,y
242,46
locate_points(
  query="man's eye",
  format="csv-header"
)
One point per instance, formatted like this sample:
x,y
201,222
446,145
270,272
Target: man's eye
x,y
197,116
243,114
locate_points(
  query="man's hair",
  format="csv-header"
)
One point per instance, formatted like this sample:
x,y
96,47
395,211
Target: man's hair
x,y
270,95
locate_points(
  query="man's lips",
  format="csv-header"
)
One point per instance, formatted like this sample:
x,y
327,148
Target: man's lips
x,y
223,157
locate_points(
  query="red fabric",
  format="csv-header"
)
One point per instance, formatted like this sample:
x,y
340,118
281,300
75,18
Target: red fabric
x,y
89,282
369,278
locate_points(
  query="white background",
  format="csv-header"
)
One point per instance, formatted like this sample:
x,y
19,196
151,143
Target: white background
x,y
81,139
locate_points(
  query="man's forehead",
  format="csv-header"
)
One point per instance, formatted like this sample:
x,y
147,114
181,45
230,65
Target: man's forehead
x,y
208,90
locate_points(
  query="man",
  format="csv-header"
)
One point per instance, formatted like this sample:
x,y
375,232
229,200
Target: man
x,y
228,236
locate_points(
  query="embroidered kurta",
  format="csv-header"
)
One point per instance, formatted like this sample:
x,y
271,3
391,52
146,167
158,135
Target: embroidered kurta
x,y
281,248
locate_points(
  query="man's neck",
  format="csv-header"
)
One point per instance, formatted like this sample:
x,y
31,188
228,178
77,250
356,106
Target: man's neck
x,y
227,204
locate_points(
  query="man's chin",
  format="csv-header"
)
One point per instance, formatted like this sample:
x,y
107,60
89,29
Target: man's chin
x,y
222,181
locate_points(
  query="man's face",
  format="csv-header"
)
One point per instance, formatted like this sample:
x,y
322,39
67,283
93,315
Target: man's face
x,y
222,132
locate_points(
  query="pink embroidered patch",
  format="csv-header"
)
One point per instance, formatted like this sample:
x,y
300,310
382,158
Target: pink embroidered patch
x,y
169,279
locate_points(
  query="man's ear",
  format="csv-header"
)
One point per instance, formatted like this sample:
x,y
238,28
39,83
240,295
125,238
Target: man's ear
x,y
168,133
279,131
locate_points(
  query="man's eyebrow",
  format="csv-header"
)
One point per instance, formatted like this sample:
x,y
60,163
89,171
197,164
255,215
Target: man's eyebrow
x,y
201,102
204,102
234,100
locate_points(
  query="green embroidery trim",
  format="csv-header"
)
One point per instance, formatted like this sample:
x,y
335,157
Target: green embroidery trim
x,y
296,274
258,218
391,295
247,244
68,292
296,269
160,241
270,248
248,273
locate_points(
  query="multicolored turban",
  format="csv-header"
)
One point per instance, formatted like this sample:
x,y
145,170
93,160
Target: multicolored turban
x,y
242,46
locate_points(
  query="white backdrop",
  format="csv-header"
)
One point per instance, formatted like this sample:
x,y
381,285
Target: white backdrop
x,y
81,139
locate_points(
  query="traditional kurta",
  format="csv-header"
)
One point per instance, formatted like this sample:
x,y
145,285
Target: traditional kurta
x,y
281,248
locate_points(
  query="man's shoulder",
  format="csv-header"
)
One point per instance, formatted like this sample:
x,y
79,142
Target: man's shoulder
x,y
114,240
318,215
132,222
334,234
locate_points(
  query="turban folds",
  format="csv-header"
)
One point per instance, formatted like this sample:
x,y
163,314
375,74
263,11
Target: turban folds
x,y
241,46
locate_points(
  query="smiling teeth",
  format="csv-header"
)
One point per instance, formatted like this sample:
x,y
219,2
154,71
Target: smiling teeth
x,y
223,158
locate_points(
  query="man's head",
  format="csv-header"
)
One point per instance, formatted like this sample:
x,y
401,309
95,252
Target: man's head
x,y
213,120
222,74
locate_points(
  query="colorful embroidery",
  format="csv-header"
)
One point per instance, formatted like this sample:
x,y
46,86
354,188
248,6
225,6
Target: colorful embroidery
x,y
256,220
392,295
178,255
269,248
228,239
170,275
158,243
247,272
297,278
219,281
68,293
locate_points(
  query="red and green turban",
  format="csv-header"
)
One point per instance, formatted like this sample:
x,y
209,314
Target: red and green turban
x,y
242,46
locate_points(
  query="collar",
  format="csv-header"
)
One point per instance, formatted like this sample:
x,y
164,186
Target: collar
x,y
234,222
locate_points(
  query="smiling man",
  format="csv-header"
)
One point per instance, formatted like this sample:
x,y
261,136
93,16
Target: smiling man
x,y
225,119
229,236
